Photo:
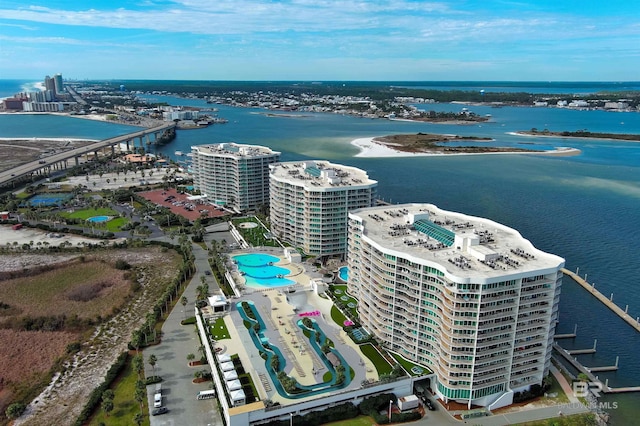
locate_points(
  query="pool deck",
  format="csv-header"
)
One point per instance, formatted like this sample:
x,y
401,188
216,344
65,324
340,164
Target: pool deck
x,y
298,272
280,311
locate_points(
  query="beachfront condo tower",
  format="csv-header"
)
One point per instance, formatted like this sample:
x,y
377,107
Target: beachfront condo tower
x,y
232,175
467,297
310,200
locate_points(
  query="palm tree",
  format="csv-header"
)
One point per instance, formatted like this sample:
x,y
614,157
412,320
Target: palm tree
x,y
191,357
140,395
138,365
184,302
152,362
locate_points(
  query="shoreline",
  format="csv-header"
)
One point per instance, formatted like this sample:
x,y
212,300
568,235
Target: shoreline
x,y
529,135
369,148
93,117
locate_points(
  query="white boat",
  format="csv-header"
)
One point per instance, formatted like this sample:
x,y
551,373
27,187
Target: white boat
x,y
178,153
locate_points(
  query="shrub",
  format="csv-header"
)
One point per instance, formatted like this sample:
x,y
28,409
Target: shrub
x,y
96,395
122,265
73,347
15,410
152,379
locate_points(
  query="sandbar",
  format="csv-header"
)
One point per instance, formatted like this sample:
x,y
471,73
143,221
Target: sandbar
x,y
371,148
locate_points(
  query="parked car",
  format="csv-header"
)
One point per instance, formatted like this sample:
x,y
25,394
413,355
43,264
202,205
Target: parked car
x,y
429,404
158,411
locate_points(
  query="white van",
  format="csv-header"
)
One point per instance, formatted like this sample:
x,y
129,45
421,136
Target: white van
x,y
206,394
157,400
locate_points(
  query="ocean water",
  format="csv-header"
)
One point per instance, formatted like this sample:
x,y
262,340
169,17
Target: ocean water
x,y
8,88
585,208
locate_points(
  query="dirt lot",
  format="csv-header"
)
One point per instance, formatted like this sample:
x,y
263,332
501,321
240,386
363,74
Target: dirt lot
x,y
61,402
14,152
159,196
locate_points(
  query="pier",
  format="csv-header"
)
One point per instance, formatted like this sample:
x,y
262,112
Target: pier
x,y
635,323
589,372
568,335
605,368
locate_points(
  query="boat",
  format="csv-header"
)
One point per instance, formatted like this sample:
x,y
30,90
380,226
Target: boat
x,y
178,153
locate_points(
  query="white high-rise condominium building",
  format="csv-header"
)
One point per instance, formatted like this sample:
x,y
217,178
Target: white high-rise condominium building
x,y
310,200
468,297
233,175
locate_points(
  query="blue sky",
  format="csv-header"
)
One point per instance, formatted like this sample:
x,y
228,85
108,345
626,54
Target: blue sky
x,y
535,40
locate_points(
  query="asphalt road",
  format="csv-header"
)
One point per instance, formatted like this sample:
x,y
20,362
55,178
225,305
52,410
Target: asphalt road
x,y
177,342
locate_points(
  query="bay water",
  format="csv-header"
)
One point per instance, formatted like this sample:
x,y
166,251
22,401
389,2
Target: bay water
x,y
585,208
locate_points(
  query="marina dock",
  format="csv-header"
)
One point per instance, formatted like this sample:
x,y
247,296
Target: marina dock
x,y
607,302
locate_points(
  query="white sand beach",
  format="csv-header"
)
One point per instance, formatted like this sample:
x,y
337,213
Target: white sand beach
x,y
372,149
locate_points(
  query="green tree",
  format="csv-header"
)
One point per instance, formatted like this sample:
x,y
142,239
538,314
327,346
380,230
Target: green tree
x,y
184,302
190,357
136,340
140,395
138,365
15,410
152,362
108,395
138,418
107,406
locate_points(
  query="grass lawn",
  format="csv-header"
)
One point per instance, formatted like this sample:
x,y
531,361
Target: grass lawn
x,y
382,366
219,330
556,388
343,293
408,365
357,421
337,316
113,225
587,419
254,236
125,406
87,213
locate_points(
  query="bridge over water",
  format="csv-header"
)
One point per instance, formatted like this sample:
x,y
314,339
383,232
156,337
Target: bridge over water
x,y
60,161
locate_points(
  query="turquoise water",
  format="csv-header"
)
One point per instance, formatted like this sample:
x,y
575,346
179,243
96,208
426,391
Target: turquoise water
x,y
259,340
49,199
343,273
258,272
97,219
583,208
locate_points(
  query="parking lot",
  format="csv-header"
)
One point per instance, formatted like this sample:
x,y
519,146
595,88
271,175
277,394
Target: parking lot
x,y
182,204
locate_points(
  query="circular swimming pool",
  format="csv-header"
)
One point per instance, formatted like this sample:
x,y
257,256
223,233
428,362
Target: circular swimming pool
x,y
97,219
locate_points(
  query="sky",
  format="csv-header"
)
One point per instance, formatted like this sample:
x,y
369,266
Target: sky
x,y
307,40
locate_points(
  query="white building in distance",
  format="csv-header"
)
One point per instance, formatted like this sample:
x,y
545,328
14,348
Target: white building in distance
x,y
468,297
233,175
310,200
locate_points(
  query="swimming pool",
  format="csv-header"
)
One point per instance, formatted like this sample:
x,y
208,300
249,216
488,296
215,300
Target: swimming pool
x,y
259,272
97,219
343,273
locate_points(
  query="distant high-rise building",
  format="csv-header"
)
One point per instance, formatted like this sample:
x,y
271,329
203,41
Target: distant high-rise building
x,y
59,85
233,175
468,297
50,84
309,202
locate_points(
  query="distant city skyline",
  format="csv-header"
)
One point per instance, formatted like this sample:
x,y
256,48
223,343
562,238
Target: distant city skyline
x,y
400,40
